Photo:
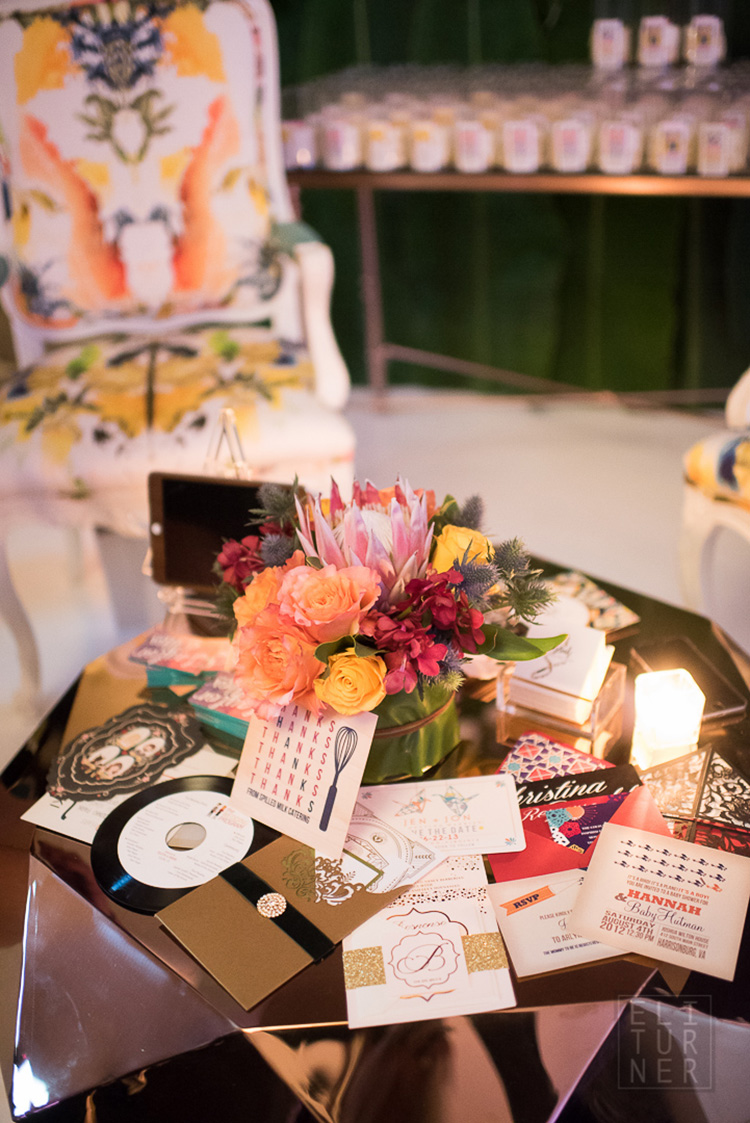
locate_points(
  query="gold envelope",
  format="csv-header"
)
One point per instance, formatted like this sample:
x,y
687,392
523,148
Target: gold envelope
x,y
250,954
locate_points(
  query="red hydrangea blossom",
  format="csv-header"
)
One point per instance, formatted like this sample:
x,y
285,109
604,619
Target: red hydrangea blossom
x,y
438,600
406,637
239,560
407,649
276,528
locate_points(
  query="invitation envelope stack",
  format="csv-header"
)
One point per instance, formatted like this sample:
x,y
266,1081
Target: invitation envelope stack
x,y
290,788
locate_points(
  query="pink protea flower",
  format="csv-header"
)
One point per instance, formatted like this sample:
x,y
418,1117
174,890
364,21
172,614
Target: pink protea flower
x,y
387,532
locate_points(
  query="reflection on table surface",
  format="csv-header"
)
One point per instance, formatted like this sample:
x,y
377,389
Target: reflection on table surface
x,y
117,1021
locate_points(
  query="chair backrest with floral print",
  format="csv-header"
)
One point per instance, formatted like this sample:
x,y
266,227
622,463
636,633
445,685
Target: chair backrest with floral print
x,y
140,142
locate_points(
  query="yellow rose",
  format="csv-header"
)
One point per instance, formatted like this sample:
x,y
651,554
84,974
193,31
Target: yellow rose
x,y
354,683
452,543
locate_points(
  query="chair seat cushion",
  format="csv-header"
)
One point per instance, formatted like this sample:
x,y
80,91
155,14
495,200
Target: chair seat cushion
x,y
81,429
719,466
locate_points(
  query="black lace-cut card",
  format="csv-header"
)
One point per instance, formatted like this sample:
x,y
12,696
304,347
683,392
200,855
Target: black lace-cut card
x,y
126,754
725,796
732,840
675,785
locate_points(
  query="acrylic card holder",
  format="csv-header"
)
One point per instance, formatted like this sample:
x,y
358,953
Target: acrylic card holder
x,y
596,735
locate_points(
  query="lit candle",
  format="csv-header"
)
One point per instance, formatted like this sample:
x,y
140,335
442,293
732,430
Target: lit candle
x,y
668,711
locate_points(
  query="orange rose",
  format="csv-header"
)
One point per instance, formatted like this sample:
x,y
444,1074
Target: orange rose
x,y
258,595
297,558
277,663
328,603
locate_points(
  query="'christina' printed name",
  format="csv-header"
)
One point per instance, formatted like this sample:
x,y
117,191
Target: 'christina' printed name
x,y
564,791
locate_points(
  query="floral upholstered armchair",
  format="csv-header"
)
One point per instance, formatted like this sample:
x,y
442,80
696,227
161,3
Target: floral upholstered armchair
x,y
156,273
715,534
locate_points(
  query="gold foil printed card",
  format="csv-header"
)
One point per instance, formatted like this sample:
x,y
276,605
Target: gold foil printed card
x,y
433,952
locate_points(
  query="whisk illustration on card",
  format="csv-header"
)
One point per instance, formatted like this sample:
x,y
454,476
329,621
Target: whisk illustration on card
x,y
343,751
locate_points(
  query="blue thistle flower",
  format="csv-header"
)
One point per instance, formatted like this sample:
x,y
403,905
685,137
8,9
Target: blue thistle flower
x,y
275,549
511,558
471,514
478,578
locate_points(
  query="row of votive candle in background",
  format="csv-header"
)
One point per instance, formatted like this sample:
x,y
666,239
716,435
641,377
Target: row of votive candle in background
x,y
692,135
660,42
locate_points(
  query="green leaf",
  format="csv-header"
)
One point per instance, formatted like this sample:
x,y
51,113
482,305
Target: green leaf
x,y
501,643
446,512
402,708
324,651
224,346
78,366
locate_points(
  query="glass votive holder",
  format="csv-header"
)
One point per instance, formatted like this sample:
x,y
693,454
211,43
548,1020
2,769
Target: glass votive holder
x,y
473,145
429,148
658,41
670,146
299,144
668,713
620,147
610,44
714,148
571,144
705,42
385,150
341,144
521,146
736,120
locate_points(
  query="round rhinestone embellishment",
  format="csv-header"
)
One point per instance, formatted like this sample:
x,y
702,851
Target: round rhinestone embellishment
x,y
271,905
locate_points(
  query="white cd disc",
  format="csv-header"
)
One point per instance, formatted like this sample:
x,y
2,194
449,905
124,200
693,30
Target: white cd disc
x,y
183,839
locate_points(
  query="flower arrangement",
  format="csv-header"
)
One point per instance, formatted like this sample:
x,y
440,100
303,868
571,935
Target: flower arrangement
x,y
362,605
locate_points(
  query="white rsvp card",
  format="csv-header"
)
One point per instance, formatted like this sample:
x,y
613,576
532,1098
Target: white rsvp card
x,y
473,815
670,900
300,774
533,915
434,952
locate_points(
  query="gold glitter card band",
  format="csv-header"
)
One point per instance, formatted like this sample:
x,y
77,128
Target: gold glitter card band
x,y
434,952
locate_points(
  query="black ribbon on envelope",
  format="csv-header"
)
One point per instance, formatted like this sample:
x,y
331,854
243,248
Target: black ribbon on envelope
x,y
275,907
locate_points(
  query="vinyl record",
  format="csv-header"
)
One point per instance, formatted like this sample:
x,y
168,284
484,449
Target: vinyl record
x,y
166,840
